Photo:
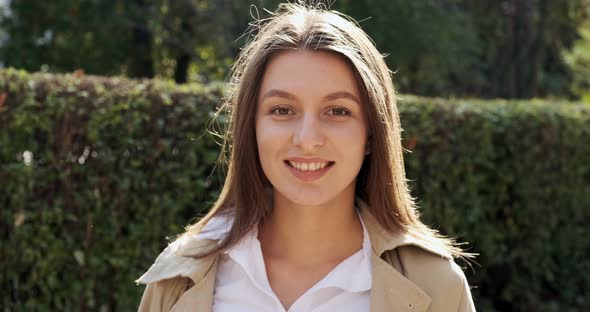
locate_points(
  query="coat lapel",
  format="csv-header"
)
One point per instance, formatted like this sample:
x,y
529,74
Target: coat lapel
x,y
200,296
391,291
176,260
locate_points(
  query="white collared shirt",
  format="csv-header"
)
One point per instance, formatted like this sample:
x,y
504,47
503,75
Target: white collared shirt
x,y
241,283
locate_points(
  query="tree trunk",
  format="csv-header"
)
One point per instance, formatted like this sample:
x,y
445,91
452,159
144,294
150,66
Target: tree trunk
x,y
183,58
141,64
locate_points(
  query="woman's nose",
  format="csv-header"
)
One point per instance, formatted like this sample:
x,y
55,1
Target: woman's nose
x,y
308,135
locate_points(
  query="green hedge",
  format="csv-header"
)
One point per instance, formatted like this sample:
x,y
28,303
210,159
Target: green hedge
x,y
97,172
513,179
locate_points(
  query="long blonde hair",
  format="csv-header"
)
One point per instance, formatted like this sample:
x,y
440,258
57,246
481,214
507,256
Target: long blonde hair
x,y
381,182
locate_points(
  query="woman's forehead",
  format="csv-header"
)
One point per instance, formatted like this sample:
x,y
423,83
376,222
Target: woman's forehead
x,y
309,74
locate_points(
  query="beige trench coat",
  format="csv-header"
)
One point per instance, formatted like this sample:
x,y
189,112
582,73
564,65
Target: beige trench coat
x,y
407,274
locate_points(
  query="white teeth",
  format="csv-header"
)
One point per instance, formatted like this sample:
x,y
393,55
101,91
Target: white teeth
x,y
308,166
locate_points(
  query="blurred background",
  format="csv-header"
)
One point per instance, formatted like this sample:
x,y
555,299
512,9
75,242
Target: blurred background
x,y
105,154
446,48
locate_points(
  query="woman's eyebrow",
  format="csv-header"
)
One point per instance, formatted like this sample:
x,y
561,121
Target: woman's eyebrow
x,y
330,97
341,95
279,93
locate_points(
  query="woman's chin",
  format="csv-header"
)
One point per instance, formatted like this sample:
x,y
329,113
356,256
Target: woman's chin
x,y
305,197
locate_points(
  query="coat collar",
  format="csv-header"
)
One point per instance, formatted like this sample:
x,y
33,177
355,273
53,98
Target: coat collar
x,y
383,240
391,291
176,261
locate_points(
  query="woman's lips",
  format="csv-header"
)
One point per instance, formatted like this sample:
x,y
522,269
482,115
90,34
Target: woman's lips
x,y
310,175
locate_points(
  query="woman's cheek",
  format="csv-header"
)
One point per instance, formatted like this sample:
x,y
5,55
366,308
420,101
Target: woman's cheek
x,y
351,134
270,137
270,131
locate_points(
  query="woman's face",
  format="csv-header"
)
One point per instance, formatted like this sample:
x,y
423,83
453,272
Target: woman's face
x,y
310,127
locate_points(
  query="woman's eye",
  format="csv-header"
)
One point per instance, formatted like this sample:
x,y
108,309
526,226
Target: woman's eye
x,y
339,111
281,110
285,111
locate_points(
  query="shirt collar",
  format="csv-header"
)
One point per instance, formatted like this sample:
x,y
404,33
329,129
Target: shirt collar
x,y
176,259
352,275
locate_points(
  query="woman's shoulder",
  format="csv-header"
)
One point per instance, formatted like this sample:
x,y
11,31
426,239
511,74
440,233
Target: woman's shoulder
x,y
176,269
425,262
162,295
438,276
418,263
178,258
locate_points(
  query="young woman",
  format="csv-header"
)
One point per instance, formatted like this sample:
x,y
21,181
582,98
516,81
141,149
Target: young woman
x,y
315,213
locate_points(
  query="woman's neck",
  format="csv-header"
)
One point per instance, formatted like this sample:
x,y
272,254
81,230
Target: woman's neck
x,y
307,236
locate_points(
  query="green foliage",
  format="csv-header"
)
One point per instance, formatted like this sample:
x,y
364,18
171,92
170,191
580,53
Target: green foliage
x,y
426,42
579,60
97,172
138,38
66,35
509,178
490,49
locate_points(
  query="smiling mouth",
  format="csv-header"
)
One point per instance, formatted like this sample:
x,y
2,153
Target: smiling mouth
x,y
329,164
309,172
